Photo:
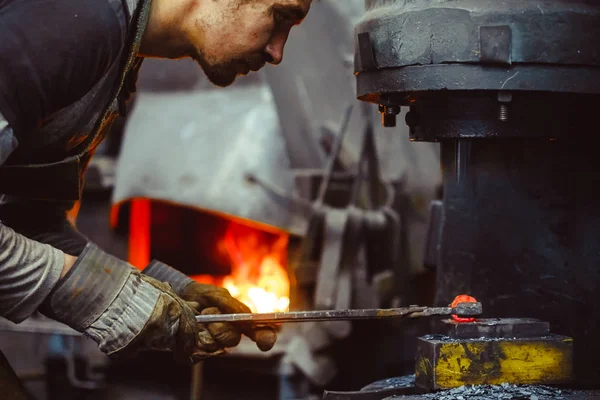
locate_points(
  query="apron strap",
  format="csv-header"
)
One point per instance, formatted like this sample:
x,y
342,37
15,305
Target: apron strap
x,y
57,181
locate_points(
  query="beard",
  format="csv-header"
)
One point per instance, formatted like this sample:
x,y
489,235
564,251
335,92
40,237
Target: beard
x,y
221,75
224,74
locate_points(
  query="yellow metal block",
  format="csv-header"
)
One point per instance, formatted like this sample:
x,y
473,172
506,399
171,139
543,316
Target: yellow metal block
x,y
445,363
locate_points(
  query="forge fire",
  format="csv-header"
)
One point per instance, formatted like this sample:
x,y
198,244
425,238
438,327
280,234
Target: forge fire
x,y
258,268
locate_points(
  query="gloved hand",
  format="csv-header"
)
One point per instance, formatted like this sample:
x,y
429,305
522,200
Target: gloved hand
x,y
209,299
172,326
126,312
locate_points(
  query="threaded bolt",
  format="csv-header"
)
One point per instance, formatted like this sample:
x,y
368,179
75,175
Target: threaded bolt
x,y
504,98
503,113
388,115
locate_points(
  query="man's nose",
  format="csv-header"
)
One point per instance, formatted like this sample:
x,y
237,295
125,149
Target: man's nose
x,y
275,48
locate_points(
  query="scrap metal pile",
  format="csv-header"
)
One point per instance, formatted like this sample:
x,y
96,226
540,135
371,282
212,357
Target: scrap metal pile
x,y
504,391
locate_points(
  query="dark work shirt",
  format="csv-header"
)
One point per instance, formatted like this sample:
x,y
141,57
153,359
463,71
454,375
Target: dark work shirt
x,y
52,52
59,68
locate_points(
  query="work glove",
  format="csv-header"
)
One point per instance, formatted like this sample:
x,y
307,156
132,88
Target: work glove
x,y
172,326
126,312
209,299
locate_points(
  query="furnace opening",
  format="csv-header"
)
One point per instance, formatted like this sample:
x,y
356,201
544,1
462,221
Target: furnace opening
x,y
246,259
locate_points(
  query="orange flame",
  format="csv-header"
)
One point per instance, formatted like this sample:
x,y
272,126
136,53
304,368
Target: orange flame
x,y
258,278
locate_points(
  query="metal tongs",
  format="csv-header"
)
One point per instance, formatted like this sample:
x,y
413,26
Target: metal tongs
x,y
461,310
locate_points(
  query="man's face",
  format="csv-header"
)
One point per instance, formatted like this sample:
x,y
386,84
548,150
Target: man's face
x,y
233,37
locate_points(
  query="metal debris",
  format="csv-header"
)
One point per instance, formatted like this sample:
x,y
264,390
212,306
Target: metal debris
x,y
497,392
391,383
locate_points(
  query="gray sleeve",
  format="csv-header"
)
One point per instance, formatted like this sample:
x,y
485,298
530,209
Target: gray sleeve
x,y
106,298
8,141
29,270
126,316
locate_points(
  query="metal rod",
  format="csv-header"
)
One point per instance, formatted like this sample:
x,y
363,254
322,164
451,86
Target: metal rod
x,y
463,309
335,152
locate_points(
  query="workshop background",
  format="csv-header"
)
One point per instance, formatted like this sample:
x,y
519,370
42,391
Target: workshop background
x,y
295,195
171,182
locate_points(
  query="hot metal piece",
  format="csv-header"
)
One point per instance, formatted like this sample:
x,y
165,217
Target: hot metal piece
x,y
463,309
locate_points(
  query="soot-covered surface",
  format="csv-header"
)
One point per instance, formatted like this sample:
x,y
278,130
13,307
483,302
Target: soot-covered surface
x,y
504,392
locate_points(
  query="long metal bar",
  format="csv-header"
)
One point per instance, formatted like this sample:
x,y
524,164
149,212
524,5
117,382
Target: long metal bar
x,y
463,310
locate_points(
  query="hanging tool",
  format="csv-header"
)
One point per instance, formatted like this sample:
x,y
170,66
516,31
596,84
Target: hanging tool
x,y
461,309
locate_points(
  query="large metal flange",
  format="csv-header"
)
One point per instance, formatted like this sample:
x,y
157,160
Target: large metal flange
x,y
519,45
373,84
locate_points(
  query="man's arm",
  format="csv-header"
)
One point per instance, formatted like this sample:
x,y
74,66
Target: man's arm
x,y
28,269
51,54
28,272
99,295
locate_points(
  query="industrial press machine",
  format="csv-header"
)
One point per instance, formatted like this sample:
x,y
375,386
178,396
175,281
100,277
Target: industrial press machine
x,y
509,89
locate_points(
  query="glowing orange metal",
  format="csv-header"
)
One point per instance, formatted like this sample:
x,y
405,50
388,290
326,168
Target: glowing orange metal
x,y
462,298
